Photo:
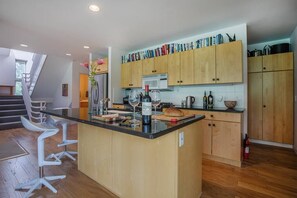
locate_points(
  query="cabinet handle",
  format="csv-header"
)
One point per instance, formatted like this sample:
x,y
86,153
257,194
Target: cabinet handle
x,y
264,106
264,68
213,79
209,124
211,116
181,81
178,81
218,79
213,124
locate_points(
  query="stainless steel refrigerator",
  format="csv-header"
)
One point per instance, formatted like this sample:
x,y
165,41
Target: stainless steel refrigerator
x,y
98,92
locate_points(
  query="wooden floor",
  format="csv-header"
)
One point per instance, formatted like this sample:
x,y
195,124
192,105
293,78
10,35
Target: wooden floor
x,y
270,172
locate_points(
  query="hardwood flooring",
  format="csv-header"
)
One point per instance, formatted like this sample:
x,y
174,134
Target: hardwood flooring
x,y
270,172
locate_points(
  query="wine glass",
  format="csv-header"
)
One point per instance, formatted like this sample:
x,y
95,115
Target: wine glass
x,y
134,100
156,100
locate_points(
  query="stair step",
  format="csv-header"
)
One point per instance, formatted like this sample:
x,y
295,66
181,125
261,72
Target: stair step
x,y
12,118
12,106
10,97
11,125
11,101
13,112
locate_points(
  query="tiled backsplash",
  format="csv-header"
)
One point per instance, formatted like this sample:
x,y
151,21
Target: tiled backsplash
x,y
219,92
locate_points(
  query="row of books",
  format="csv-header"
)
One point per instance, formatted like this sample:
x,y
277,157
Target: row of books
x,y
172,48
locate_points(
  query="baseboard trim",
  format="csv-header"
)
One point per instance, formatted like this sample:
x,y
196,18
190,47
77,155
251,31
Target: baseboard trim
x,y
272,143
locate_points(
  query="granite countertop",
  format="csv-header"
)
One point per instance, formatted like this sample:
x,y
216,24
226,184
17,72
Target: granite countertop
x,y
219,109
155,130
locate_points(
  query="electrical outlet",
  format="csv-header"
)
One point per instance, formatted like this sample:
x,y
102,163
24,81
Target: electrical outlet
x,y
181,139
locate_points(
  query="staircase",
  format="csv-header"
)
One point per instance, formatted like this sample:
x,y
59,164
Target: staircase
x,y
11,108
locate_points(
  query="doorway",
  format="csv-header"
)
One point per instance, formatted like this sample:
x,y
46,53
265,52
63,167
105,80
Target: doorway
x,y
83,90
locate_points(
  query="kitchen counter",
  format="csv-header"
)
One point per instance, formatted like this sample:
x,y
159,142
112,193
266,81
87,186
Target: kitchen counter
x,y
218,109
140,162
156,130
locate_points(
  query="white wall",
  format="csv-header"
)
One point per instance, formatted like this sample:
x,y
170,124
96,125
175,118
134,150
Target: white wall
x,y
64,101
260,46
50,79
7,67
228,91
77,69
294,49
114,67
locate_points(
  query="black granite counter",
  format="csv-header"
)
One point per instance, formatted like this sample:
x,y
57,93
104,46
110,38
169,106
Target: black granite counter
x,y
156,129
219,109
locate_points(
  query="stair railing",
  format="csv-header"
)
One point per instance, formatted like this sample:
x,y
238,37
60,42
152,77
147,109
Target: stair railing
x,y
33,107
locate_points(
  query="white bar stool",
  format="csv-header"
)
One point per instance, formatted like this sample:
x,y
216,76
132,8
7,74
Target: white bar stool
x,y
41,180
56,121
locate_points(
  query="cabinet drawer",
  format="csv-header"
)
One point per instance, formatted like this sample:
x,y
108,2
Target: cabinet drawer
x,y
117,106
221,116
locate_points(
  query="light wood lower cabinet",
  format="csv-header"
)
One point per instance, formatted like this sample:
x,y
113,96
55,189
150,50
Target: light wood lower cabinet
x,y
118,106
270,98
278,106
222,136
134,167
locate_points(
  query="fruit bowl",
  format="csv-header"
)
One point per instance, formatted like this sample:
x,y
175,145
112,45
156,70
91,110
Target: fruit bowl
x,y
230,104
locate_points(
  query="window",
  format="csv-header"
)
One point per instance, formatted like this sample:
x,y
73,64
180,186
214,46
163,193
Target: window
x,y
20,68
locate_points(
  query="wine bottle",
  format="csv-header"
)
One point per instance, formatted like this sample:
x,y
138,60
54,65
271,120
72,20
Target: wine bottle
x,y
204,101
210,101
146,107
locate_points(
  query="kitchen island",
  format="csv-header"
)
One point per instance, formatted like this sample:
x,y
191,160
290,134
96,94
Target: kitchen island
x,y
161,161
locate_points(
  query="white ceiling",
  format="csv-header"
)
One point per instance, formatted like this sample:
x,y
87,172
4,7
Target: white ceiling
x,y
57,27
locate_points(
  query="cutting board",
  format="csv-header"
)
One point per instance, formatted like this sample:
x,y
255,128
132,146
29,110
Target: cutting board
x,y
170,118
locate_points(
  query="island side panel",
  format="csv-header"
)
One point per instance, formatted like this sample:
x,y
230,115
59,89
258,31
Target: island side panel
x,y
145,168
94,153
190,162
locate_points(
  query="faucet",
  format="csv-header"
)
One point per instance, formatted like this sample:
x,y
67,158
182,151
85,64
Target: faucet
x,y
105,104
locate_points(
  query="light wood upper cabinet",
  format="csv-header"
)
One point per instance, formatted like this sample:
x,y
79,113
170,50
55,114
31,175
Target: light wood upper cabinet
x,y
161,64
126,75
278,106
157,65
277,62
131,74
187,67
174,69
255,64
103,68
148,66
229,67
255,105
204,65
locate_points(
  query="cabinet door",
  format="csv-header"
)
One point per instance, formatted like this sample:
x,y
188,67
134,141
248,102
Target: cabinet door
x,y
255,106
276,62
187,67
136,69
204,65
278,106
126,75
229,62
147,66
173,69
226,140
161,64
255,64
207,134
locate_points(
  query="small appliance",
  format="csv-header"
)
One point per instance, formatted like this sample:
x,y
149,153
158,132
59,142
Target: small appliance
x,y
159,81
190,101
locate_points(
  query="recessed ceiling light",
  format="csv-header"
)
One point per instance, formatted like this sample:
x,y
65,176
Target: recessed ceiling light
x,y
86,47
94,8
23,45
68,54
